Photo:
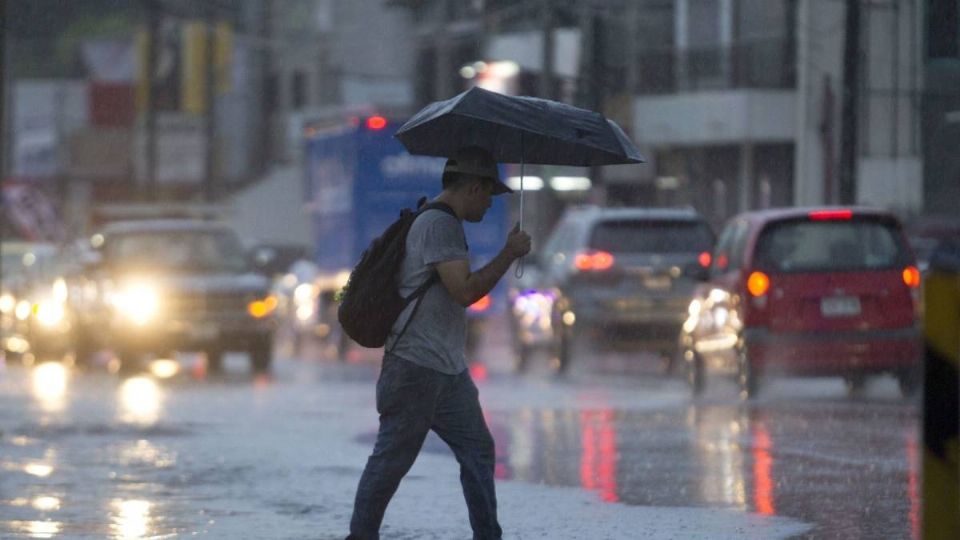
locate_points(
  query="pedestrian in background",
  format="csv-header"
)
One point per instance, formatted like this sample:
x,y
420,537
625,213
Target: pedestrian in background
x,y
424,382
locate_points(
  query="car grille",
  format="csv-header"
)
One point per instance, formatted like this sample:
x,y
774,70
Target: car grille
x,y
206,304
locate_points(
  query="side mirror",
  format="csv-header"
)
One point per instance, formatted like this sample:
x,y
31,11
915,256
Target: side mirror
x,y
261,258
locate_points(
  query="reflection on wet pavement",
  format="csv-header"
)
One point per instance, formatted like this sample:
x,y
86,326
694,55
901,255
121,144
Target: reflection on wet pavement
x,y
152,447
49,385
140,399
793,459
55,459
130,519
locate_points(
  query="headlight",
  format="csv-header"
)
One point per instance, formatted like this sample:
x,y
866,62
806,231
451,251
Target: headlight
x,y
49,312
259,309
138,301
7,302
23,309
534,309
303,293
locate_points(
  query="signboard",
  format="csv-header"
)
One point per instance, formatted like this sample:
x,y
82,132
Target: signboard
x,y
34,213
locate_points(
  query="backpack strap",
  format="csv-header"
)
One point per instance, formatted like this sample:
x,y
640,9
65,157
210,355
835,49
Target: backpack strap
x,y
419,293
435,206
434,277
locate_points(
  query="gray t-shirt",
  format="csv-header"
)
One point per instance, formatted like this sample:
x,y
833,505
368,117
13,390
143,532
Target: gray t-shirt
x,y
436,338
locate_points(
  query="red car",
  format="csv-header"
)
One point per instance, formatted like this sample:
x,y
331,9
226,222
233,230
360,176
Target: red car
x,y
814,292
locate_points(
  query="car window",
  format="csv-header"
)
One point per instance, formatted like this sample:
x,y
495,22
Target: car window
x,y
559,242
194,250
830,245
651,236
729,252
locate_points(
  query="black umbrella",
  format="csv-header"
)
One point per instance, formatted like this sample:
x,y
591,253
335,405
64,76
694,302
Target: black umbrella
x,y
518,130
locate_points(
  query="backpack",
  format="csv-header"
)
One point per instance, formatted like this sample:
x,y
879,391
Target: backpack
x,y
371,303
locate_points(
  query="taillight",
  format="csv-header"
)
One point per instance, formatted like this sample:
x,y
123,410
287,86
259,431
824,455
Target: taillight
x,y
480,305
758,284
704,259
829,215
911,277
376,122
593,261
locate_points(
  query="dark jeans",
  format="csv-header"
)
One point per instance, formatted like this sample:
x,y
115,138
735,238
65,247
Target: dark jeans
x,y
411,401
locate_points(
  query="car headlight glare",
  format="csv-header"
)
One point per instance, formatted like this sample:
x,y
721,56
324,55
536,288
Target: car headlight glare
x,y
139,302
49,312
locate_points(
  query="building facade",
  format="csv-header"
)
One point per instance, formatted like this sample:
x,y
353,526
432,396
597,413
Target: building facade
x,y
737,103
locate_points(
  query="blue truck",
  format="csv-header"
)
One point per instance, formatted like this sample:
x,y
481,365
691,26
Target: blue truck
x,y
358,178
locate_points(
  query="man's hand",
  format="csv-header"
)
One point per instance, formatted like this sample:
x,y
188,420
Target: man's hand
x,y
467,287
518,243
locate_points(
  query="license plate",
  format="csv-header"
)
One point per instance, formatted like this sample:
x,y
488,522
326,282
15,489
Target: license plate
x,y
203,331
840,306
657,282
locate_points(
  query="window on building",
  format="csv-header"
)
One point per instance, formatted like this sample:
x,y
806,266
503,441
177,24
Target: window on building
x,y
943,29
298,90
656,39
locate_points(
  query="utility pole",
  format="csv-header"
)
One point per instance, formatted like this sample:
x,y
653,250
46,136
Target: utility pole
x,y
593,77
210,169
546,74
4,133
850,102
4,95
150,124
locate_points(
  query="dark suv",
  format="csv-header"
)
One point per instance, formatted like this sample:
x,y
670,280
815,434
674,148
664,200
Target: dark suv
x,y
614,278
159,286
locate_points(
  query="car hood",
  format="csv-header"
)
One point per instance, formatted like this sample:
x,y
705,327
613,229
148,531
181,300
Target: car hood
x,y
204,283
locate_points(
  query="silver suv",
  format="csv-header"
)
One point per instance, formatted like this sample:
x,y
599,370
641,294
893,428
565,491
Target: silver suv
x,y
618,278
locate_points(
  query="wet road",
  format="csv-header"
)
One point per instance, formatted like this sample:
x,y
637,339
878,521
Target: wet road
x,y
86,454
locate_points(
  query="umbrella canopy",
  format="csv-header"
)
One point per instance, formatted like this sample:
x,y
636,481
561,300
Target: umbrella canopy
x,y
518,130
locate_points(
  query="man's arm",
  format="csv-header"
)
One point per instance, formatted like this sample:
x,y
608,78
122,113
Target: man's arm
x,y
467,287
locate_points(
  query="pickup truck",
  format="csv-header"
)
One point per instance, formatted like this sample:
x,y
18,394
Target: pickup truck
x,y
161,285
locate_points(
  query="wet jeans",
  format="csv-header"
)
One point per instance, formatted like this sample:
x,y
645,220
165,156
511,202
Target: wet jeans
x,y
411,401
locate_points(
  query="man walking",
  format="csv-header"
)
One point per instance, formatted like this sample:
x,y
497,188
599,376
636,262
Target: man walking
x,y
424,383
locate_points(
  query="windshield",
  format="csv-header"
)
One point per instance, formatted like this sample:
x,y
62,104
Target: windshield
x,y
651,236
29,264
208,251
800,246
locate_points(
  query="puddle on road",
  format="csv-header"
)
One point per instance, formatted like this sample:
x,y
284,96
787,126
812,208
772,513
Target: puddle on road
x,y
798,461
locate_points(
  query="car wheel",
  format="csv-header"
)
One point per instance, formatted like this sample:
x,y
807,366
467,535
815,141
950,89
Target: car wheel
x,y
910,381
746,373
131,362
214,360
261,356
343,346
668,362
83,349
696,378
564,350
855,385
297,342
522,353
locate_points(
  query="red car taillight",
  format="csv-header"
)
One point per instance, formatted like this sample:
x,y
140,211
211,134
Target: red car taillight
x,y
704,259
830,215
592,261
911,277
